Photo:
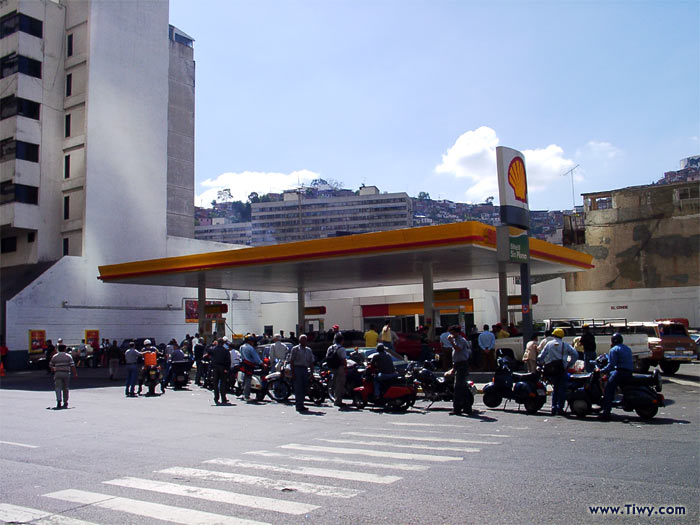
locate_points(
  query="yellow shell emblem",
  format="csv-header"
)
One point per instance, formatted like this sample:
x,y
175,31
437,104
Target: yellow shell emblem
x,y
517,179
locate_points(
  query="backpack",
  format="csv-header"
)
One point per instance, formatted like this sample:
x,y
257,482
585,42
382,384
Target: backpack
x,y
332,359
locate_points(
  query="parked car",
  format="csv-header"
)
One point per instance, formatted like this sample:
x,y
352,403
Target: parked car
x,y
368,351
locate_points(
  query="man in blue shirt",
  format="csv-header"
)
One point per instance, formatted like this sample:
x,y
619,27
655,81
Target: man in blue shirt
x,y
251,358
487,342
620,367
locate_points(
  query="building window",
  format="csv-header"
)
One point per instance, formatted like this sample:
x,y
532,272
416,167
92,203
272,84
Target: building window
x,y
20,22
65,246
66,167
8,244
14,63
69,46
11,106
66,208
30,237
67,125
16,149
11,192
69,84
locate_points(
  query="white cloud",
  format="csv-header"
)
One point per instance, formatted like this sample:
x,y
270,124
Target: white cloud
x,y
598,150
244,183
473,157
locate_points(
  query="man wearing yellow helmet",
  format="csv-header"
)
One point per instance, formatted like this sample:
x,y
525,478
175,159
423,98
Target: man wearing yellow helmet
x,y
557,356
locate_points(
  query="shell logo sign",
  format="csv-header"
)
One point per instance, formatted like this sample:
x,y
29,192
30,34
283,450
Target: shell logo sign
x,y
512,187
517,179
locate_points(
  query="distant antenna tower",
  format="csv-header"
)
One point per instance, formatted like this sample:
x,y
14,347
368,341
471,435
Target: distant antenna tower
x,y
573,198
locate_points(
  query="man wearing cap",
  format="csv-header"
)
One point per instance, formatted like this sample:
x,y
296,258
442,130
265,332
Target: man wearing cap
x,y
62,365
558,351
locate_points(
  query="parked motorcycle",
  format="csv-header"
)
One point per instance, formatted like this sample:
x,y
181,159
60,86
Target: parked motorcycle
x,y
180,373
399,395
437,386
258,384
641,393
526,389
353,379
151,376
279,383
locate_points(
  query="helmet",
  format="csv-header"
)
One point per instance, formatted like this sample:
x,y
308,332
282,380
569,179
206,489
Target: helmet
x,y
558,332
381,348
616,338
147,342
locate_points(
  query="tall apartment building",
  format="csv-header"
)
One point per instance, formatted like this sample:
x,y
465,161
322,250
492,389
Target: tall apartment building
x,y
298,218
230,232
97,165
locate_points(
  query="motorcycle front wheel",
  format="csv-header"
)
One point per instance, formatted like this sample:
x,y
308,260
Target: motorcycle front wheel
x,y
492,400
279,391
316,394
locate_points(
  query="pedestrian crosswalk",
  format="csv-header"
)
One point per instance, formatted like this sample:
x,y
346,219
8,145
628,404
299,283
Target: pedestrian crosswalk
x,y
293,480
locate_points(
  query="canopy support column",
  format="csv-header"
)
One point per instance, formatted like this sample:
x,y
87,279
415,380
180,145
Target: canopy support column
x,y
428,300
301,317
201,303
502,293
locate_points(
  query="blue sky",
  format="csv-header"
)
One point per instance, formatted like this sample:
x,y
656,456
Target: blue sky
x,y
415,95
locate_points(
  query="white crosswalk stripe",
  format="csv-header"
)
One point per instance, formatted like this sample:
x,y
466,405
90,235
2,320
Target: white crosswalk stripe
x,y
273,484
221,496
148,509
372,453
442,432
420,438
339,461
307,471
16,514
396,445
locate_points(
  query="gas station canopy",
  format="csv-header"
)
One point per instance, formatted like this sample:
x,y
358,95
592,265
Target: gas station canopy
x,y
457,252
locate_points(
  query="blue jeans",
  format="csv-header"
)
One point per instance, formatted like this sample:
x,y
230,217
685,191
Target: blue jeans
x,y
382,378
559,385
617,377
301,382
132,372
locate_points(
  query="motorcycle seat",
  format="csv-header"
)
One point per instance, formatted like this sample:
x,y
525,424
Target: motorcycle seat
x,y
641,380
525,376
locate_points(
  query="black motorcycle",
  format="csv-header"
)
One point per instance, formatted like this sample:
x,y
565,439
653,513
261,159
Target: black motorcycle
x,y
180,373
641,393
436,386
151,377
526,389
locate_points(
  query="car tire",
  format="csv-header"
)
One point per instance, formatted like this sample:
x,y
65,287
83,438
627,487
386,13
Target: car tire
x,y
669,367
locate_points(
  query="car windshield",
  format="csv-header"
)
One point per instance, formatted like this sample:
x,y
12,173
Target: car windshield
x,y
671,329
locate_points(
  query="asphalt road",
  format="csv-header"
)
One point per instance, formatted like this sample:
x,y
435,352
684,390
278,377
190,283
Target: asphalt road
x,y
179,458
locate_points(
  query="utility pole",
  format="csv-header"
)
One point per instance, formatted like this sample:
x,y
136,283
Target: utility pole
x,y
573,198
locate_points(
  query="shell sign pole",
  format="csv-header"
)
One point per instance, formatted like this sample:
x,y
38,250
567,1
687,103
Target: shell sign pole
x,y
515,211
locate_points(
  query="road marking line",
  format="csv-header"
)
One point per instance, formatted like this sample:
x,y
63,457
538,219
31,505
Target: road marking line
x,y
339,461
371,453
683,382
426,425
221,496
394,445
16,514
148,509
308,471
441,432
296,486
419,438
18,444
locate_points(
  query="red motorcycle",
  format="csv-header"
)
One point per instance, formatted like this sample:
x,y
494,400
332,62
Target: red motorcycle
x,y
397,395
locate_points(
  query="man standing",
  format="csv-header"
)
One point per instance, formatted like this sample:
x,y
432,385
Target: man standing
x,y
445,350
131,358
620,367
461,351
198,355
250,358
301,358
113,355
487,343
278,352
221,364
388,337
62,365
589,348
337,361
371,337
555,352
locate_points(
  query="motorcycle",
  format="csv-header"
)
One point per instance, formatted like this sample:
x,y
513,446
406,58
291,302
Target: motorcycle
x,y
526,389
353,379
641,393
399,395
437,386
151,375
280,387
258,384
180,373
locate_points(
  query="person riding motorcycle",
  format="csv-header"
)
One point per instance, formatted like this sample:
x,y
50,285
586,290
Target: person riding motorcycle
x,y
386,371
620,367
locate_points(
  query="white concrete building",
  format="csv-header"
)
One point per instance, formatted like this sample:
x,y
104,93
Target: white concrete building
x,y
103,173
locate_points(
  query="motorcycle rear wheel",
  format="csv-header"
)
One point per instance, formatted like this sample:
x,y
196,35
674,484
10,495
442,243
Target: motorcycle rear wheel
x,y
646,412
399,405
358,401
580,408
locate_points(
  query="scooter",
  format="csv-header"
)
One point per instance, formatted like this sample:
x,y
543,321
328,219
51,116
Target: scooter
x,y
641,393
279,383
258,385
437,386
151,375
399,395
526,389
